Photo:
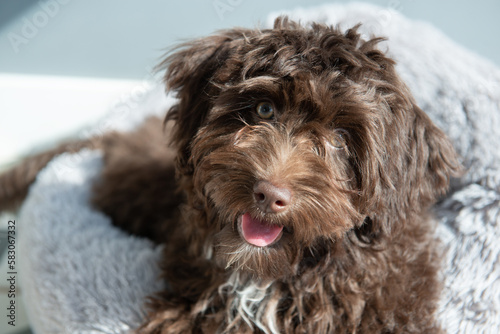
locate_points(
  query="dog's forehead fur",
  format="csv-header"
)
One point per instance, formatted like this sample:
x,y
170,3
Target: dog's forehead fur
x,y
290,50
307,69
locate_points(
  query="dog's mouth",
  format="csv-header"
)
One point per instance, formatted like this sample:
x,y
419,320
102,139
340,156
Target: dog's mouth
x,y
258,232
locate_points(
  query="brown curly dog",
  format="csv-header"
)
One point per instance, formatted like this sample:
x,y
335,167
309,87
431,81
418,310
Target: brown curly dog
x,y
294,196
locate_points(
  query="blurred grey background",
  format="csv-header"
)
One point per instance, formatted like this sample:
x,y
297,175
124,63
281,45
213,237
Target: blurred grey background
x,y
124,39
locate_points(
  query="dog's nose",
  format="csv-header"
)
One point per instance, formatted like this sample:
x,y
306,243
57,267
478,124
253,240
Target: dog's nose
x,y
271,199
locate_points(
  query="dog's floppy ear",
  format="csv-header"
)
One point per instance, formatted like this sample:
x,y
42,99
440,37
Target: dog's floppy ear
x,y
415,170
411,173
432,160
189,70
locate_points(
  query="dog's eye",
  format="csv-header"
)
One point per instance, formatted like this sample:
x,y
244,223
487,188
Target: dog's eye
x,y
265,110
338,139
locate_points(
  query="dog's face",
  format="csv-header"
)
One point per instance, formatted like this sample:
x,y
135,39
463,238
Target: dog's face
x,y
297,139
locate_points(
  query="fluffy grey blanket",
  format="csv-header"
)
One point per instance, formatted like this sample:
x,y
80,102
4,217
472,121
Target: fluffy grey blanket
x,y
79,274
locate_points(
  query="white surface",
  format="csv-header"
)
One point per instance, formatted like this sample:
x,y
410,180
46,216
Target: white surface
x,y
36,110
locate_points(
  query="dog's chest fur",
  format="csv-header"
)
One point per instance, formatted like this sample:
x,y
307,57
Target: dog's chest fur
x,y
253,302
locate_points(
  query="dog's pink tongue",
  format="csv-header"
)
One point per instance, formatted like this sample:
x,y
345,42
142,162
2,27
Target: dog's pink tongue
x,y
257,232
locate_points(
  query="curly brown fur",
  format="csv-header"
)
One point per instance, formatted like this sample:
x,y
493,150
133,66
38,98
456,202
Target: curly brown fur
x,y
137,185
359,163
15,182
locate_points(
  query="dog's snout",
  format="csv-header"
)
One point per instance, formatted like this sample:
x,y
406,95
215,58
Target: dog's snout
x,y
270,198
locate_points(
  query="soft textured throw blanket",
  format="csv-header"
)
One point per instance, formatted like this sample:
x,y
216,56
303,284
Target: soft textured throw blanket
x,y
82,275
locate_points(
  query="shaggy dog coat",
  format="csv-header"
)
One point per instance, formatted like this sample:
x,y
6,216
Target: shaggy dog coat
x,y
294,194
